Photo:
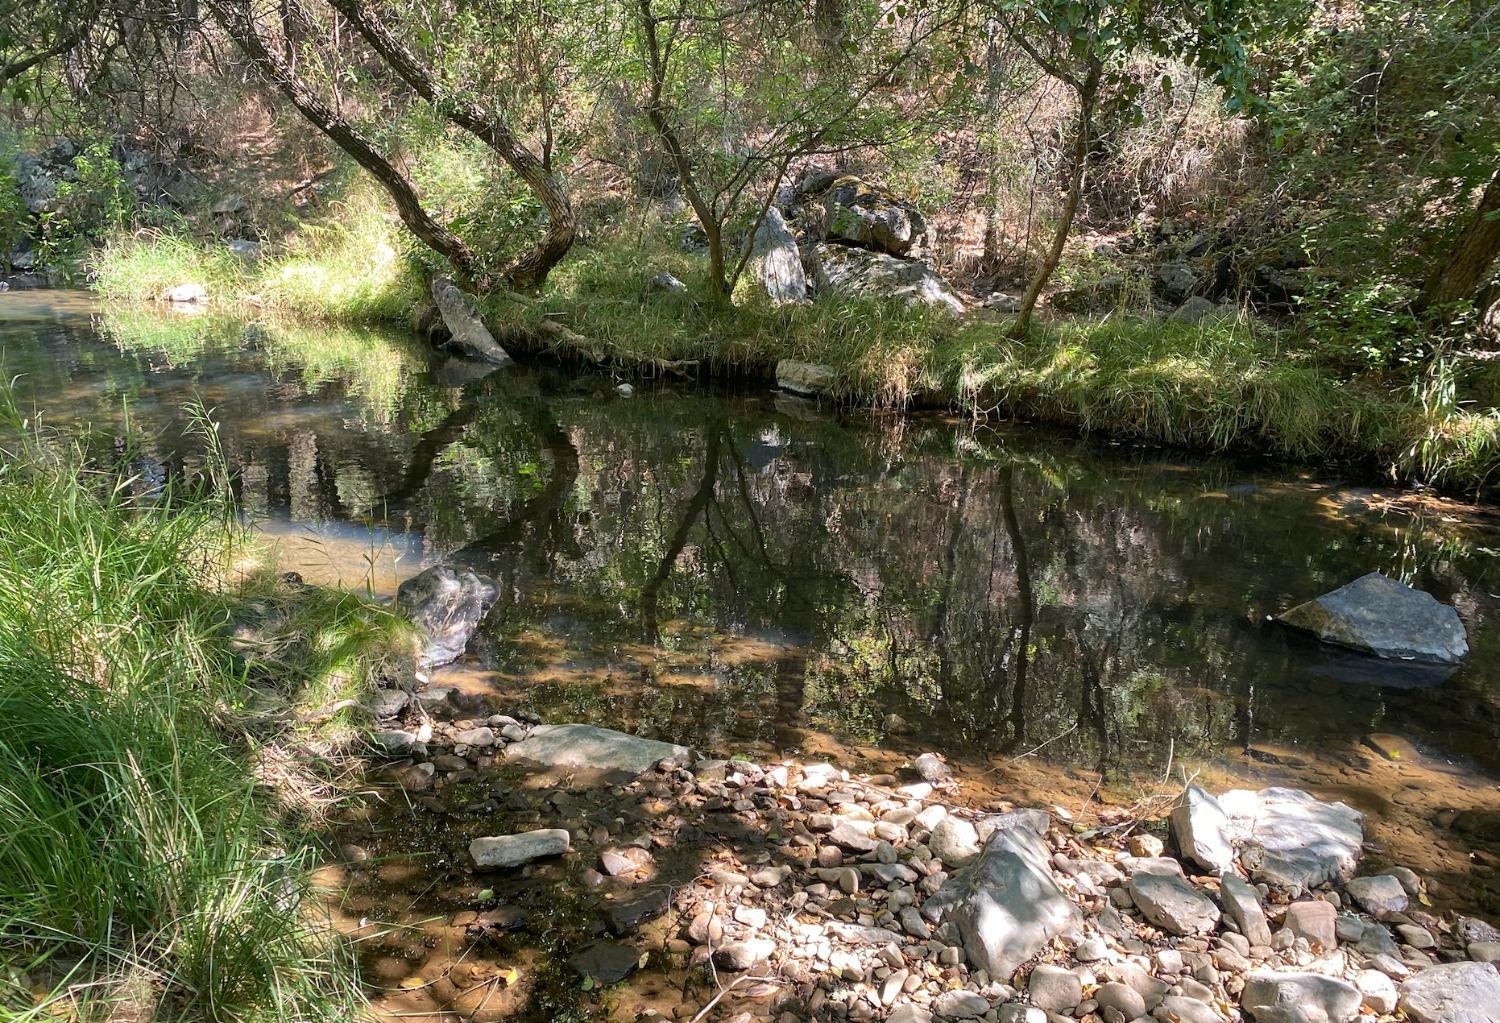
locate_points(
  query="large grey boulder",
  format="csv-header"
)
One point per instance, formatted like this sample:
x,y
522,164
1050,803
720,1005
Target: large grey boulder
x,y
1378,615
469,334
775,261
446,606
847,271
500,851
1453,993
868,216
600,749
805,379
1298,998
1006,905
1281,836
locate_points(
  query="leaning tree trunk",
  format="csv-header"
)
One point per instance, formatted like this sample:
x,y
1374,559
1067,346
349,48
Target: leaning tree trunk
x,y
530,271
238,22
1458,277
1088,96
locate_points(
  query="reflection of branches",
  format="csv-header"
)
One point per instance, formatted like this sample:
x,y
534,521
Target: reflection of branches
x,y
697,507
543,510
1018,646
942,637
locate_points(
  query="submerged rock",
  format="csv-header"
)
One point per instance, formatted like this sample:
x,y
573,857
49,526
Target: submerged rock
x,y
602,749
843,270
1378,615
446,606
1007,906
1298,998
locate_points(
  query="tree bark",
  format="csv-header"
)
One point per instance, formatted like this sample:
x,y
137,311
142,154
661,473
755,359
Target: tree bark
x,y
1458,277
1088,97
239,24
530,271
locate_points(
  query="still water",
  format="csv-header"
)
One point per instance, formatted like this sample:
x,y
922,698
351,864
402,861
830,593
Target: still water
x,y
1066,620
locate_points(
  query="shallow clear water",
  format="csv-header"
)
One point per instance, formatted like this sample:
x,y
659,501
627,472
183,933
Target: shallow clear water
x,y
738,570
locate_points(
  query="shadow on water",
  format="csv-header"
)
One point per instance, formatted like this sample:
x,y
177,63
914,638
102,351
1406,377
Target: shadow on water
x,y
746,573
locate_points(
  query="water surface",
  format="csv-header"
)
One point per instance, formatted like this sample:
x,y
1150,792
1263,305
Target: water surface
x,y
1067,621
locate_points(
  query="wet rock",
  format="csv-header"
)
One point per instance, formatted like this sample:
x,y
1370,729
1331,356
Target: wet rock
x,y
1298,998
607,962
1173,904
1453,993
1379,896
602,749
742,955
1242,905
468,334
1378,615
954,840
842,270
446,606
513,850
775,261
1006,905
1054,988
805,379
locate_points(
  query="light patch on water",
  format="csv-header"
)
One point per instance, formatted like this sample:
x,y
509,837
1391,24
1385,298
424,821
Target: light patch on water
x,y
370,560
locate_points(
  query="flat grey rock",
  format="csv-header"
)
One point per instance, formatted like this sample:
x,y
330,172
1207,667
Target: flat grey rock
x,y
843,270
1284,837
1200,829
1453,993
1379,896
1173,903
1006,905
500,851
589,747
1378,615
1298,998
1242,905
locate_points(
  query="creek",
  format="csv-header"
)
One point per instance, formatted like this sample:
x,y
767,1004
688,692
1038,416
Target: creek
x,y
1067,621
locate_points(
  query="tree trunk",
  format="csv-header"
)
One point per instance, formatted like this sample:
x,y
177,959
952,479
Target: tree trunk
x,y
1470,258
240,26
1088,97
530,271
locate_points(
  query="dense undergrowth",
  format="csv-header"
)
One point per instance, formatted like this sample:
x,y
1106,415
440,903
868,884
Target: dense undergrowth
x,y
1225,384
154,832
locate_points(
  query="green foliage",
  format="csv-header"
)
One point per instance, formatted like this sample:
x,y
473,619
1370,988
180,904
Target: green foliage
x,y
141,861
12,208
88,204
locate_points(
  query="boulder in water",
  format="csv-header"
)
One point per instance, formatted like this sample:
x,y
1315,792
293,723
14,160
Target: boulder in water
x,y
1378,615
446,606
805,379
468,333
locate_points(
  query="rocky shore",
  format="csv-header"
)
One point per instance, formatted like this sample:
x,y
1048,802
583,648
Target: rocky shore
x,y
794,891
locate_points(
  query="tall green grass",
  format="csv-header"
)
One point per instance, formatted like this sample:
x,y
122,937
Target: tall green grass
x,y
140,860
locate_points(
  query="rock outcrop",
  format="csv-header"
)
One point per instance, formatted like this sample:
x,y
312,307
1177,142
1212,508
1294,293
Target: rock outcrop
x,y
871,217
844,270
